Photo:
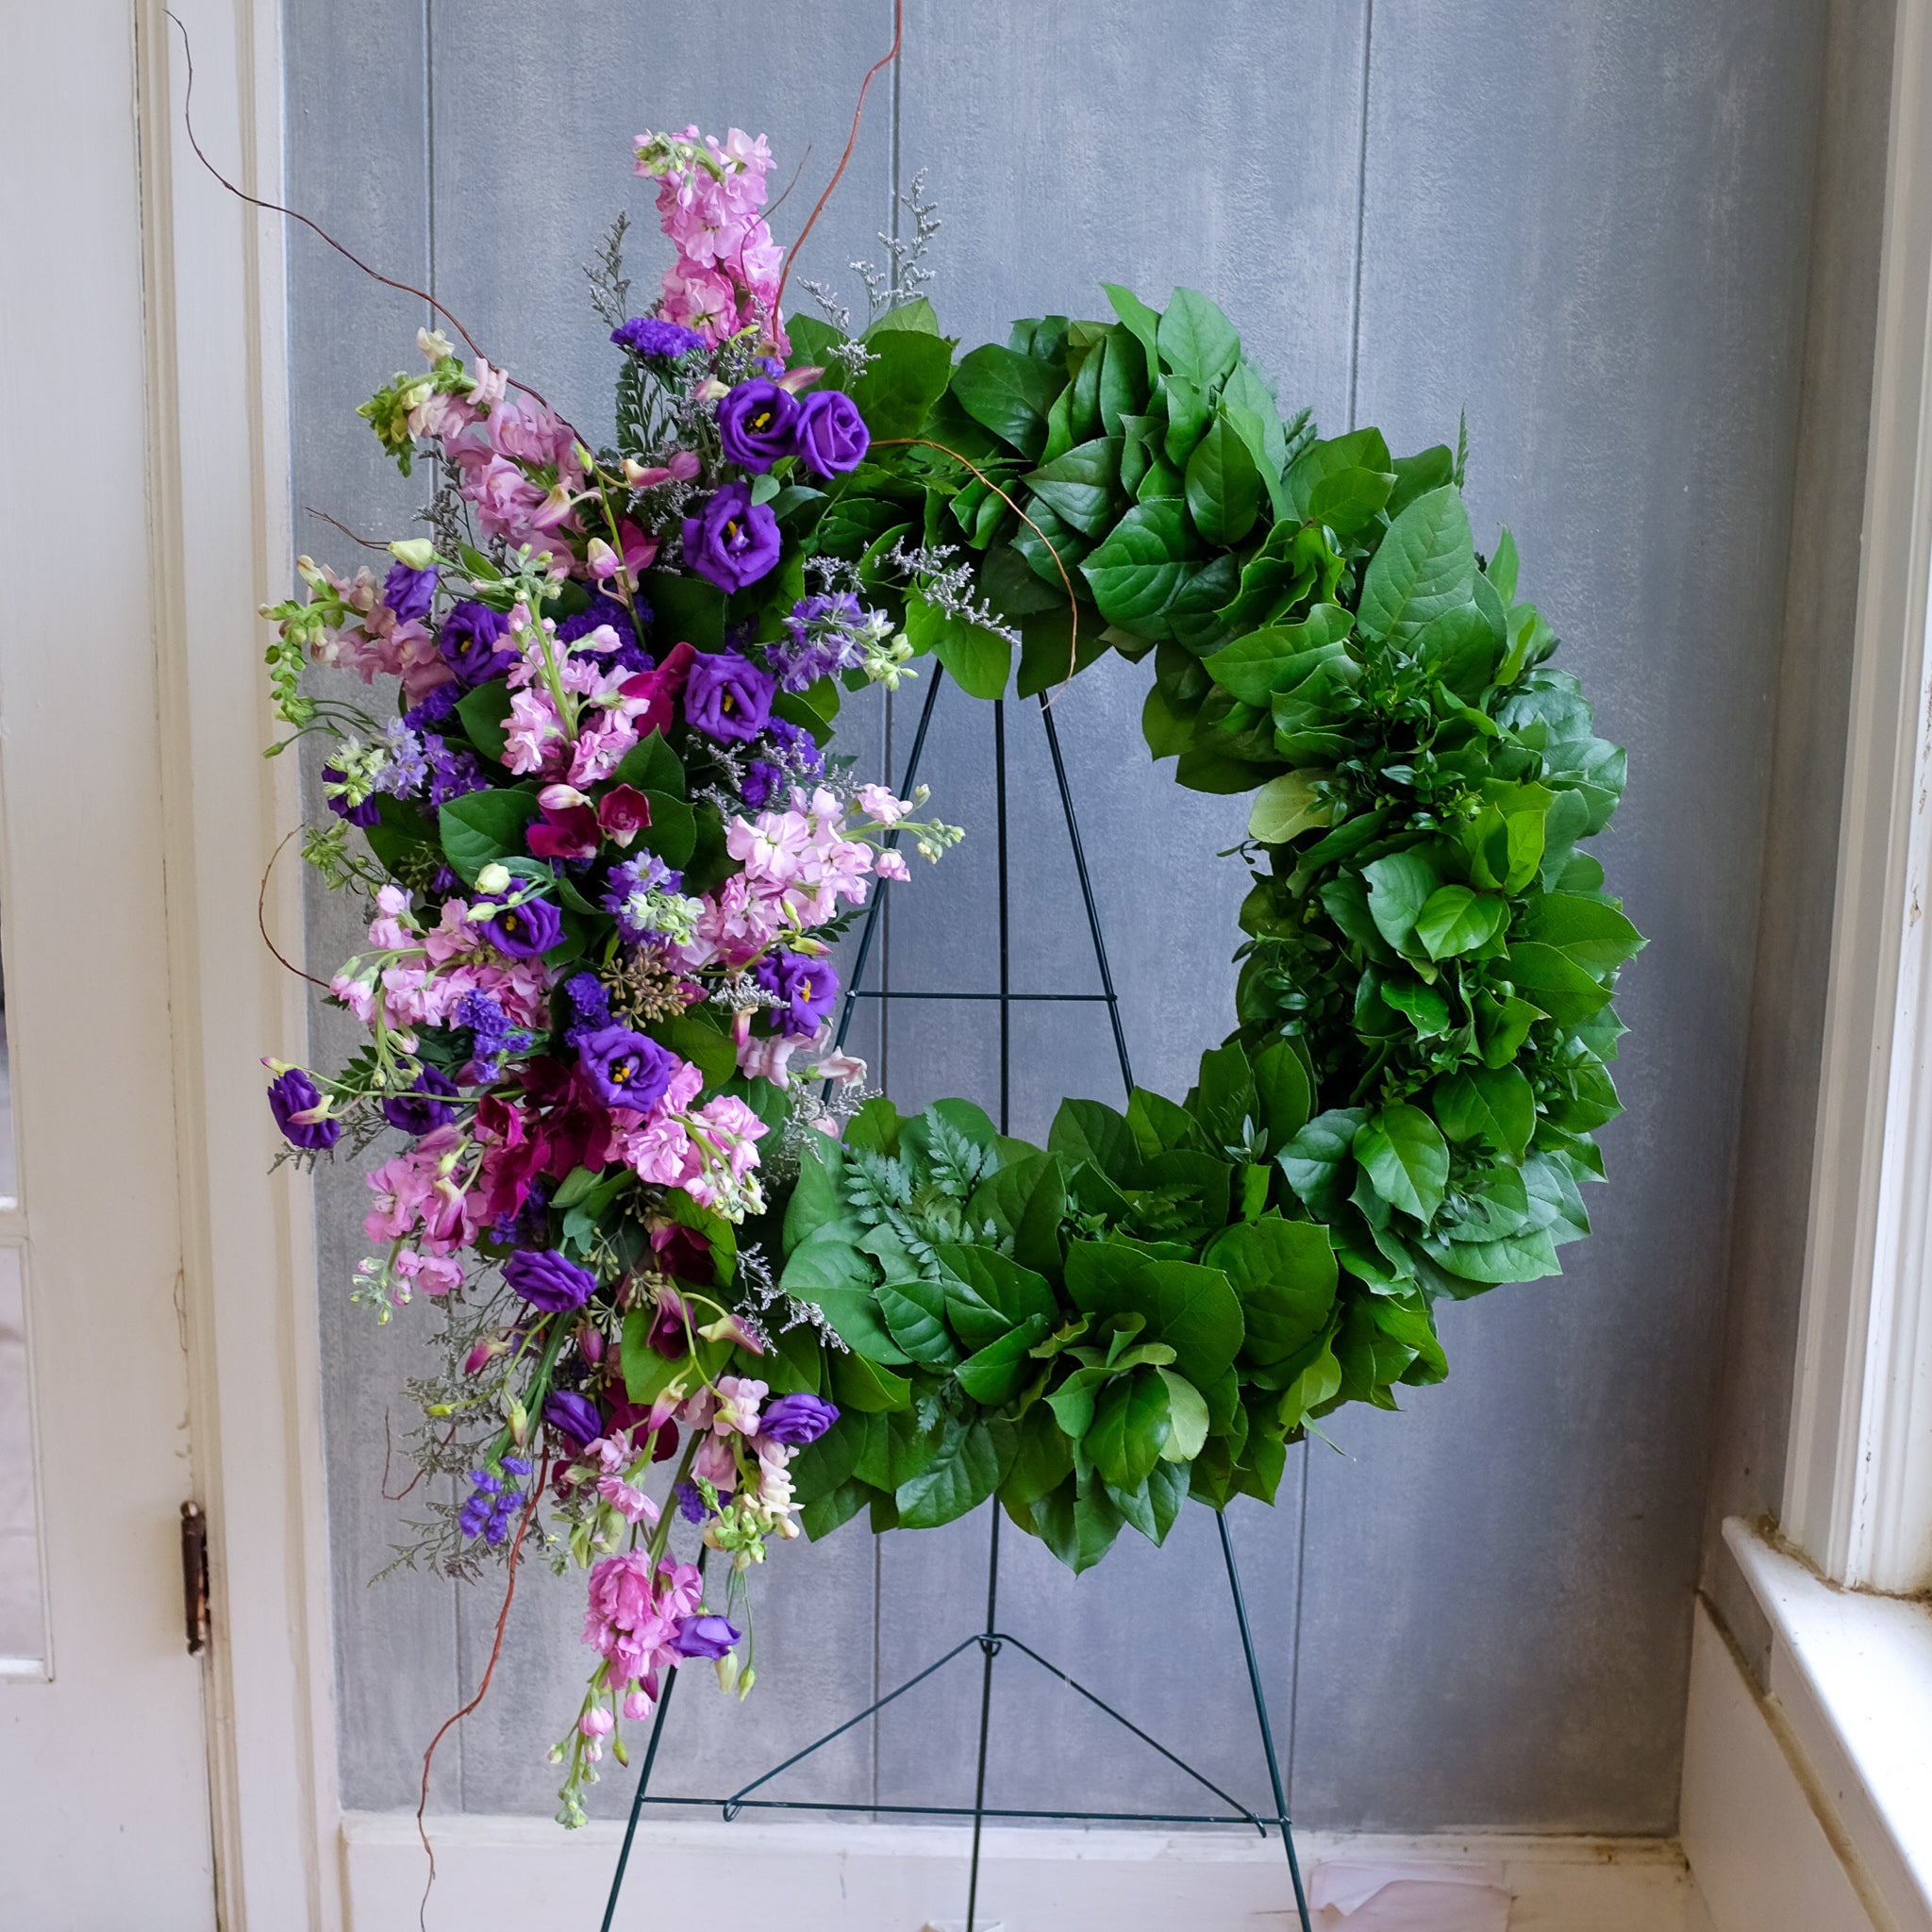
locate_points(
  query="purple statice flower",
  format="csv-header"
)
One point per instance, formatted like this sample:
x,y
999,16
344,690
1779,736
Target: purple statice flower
x,y
548,1280
591,1003
452,773
488,1027
574,1417
727,696
492,1503
800,748
368,814
469,643
705,1637
809,987
796,1419
761,780
690,1503
655,341
425,1105
830,434
434,709
819,639
409,592
408,770
294,1093
626,1069
755,424
732,542
523,932
629,886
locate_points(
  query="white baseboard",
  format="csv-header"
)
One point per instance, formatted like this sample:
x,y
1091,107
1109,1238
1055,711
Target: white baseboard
x,y
861,1877
1761,1840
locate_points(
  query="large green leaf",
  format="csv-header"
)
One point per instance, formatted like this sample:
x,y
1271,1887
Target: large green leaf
x,y
995,1374
915,1313
1285,1092
1130,1428
1285,1275
1400,885
1223,486
1318,1163
1143,566
1457,920
483,828
1142,321
1077,1520
907,374
1424,566
483,712
1192,1308
1196,341
1008,393
966,1471
988,1294
839,1279
1088,1130
1555,982
1587,932
978,660
1081,485
1405,1158
1287,806
1492,1103
1259,664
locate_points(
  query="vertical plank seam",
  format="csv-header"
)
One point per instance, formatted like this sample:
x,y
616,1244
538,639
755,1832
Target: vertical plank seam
x,y
1355,361
456,1589
878,1574
1362,209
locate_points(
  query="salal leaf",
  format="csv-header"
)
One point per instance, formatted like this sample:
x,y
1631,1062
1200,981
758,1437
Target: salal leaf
x,y
1424,565
971,1460
1223,486
1318,1162
1285,1274
1195,340
1400,885
1555,983
1142,566
1405,1158
1187,1415
915,1312
1081,486
1588,932
1008,393
1492,1103
1130,1428
1456,919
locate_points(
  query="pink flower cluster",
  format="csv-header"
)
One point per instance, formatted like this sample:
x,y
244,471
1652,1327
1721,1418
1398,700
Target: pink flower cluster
x,y
709,193
420,978
631,1620
728,1418
379,640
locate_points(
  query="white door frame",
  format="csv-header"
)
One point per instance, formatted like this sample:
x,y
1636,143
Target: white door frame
x,y
219,495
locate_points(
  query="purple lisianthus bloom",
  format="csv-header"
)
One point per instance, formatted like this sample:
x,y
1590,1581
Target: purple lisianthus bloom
x,y
368,814
548,1280
796,1419
755,424
727,697
425,1105
409,592
523,931
294,1093
655,341
830,434
470,640
705,1637
732,542
809,988
627,1069
575,1416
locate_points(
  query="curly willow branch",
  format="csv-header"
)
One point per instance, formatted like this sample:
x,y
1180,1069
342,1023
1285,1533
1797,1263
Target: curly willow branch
x,y
890,55
482,1689
261,915
1066,582
274,208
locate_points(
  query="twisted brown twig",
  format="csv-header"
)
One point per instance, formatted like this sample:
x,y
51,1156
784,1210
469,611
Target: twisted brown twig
x,y
890,55
262,916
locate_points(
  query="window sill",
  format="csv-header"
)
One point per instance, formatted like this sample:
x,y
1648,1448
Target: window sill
x,y
1852,1676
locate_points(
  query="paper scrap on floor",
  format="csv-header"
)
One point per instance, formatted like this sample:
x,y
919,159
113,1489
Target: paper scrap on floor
x,y
1347,1897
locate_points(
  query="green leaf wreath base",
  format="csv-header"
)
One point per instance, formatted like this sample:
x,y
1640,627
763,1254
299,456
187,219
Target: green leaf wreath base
x,y
1157,1302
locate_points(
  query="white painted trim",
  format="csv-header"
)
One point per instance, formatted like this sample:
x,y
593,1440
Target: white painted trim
x,y
219,467
815,1878
1858,1480
1850,1682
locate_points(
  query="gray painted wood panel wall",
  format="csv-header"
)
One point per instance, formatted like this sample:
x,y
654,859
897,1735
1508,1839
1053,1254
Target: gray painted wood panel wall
x,y
1587,225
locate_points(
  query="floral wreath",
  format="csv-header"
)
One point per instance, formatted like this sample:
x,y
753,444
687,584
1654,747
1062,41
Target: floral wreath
x,y
610,855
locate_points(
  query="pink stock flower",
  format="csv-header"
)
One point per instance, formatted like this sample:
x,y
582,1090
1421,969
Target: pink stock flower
x,y
534,738
729,1127
891,865
435,1274
881,804
739,1397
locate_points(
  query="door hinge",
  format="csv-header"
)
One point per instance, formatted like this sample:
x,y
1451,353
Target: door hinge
x,y
194,1576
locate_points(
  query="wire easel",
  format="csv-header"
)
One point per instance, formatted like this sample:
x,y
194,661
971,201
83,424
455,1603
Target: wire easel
x,y
991,1639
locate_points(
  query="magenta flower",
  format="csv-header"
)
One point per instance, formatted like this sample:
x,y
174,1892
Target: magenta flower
x,y
624,812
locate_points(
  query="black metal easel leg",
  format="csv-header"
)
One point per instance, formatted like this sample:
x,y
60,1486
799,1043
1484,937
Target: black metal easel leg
x,y
636,1803
1240,1612
990,1646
